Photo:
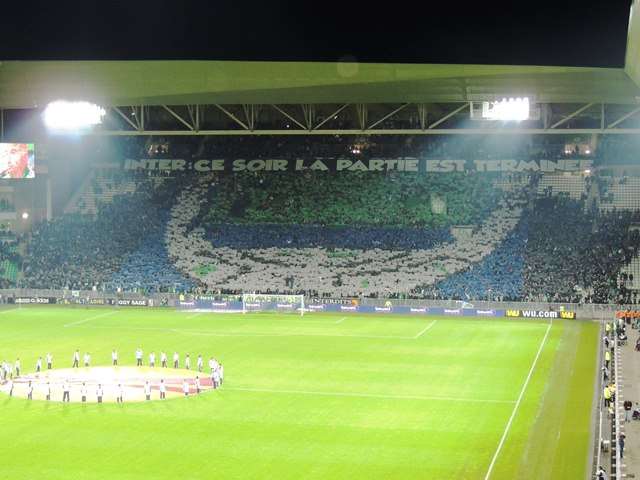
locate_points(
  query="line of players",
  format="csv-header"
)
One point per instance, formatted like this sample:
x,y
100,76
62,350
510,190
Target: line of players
x,y
66,389
7,369
217,374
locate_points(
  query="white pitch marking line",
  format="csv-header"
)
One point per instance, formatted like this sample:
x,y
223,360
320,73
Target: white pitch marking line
x,y
515,407
366,395
341,320
9,310
421,332
249,334
84,320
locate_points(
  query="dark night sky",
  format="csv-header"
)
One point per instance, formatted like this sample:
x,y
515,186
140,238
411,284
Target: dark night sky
x,y
543,32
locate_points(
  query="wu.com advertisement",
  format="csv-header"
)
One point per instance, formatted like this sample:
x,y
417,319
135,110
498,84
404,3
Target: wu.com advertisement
x,y
540,314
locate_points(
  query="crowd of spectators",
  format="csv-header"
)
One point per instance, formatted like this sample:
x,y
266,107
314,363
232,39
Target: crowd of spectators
x,y
85,252
352,199
573,255
318,269
340,234
309,236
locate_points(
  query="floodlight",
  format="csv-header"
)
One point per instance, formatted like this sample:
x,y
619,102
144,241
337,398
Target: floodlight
x,y
507,109
70,116
25,215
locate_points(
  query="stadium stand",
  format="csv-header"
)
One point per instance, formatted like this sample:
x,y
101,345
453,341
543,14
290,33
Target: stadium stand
x,y
84,251
570,184
322,269
621,193
99,188
466,236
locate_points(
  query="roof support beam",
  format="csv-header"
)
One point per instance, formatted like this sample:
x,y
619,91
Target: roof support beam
x,y
623,118
422,115
194,116
283,112
435,131
388,115
179,118
333,115
362,112
570,116
231,116
309,112
126,118
449,115
251,114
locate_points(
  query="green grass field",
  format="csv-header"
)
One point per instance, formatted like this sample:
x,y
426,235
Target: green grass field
x,y
324,396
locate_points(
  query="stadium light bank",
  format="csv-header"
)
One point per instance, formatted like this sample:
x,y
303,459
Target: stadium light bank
x,y
71,117
507,109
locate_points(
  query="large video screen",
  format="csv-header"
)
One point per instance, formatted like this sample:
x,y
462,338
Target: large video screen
x,y
17,160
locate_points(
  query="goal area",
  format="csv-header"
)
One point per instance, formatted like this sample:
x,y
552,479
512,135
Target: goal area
x,y
245,303
259,302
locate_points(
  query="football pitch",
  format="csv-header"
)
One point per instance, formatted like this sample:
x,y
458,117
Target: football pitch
x,y
316,397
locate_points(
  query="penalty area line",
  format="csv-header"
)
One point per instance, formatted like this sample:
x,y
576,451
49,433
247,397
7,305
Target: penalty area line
x,y
515,407
85,320
365,395
341,320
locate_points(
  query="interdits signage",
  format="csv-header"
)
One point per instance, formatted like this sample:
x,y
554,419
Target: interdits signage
x,y
413,165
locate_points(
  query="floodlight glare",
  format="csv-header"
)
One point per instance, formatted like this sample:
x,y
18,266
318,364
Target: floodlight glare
x,y
25,215
507,109
70,116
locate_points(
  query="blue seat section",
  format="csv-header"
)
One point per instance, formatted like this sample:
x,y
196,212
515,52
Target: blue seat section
x,y
303,236
149,269
497,277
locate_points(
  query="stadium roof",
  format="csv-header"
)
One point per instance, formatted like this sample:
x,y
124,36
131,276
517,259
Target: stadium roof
x,y
119,83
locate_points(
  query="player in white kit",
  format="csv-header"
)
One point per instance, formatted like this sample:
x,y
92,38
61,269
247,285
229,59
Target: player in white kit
x,y
163,390
114,357
147,390
66,388
120,394
87,359
139,357
163,359
152,359
199,363
185,388
176,360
